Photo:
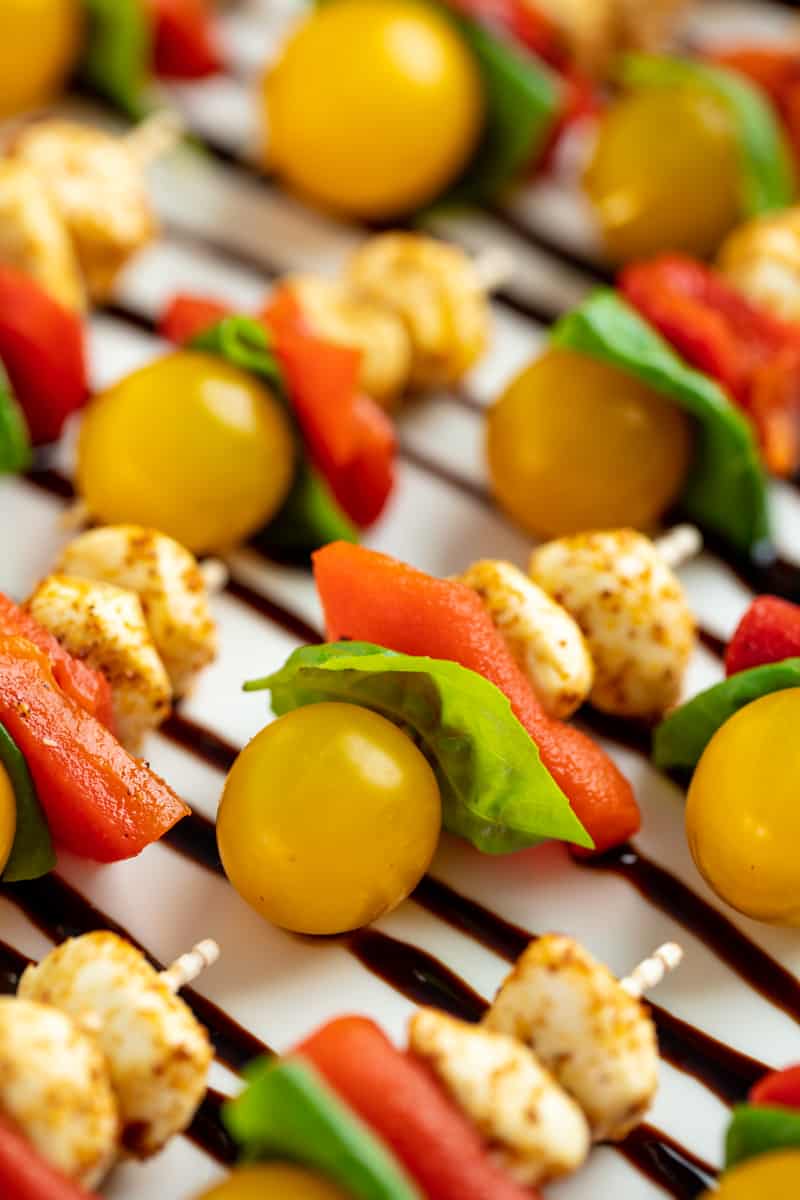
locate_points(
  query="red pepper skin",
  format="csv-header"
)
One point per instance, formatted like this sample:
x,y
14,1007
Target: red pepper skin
x,y
349,437
776,70
521,20
100,803
779,1089
26,1176
187,315
367,596
41,348
768,632
184,39
403,1103
87,687
752,354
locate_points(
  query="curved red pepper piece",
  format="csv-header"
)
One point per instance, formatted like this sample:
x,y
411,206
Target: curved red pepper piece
x,y
26,1176
184,39
768,632
41,348
779,1089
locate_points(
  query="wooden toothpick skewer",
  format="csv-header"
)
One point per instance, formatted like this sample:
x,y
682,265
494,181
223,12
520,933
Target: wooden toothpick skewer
x,y
494,268
652,970
215,575
190,965
679,544
156,135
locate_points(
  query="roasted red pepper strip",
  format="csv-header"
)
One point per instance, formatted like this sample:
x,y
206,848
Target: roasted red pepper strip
x,y
769,632
779,1089
26,1176
519,18
100,803
184,39
402,1102
187,315
367,596
87,687
754,355
41,347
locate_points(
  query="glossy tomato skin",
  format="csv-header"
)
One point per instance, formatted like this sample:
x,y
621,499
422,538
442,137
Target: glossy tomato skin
x,y
374,107
774,1176
780,1089
188,445
677,189
274,1181
39,43
575,444
742,815
329,818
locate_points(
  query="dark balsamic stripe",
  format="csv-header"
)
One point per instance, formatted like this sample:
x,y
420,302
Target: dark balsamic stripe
x,y
666,892
714,645
667,1163
597,273
290,622
61,912
416,974
12,964
208,1131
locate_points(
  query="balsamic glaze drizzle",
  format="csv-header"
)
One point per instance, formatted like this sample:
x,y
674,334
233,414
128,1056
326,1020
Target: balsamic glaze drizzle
x,y
60,912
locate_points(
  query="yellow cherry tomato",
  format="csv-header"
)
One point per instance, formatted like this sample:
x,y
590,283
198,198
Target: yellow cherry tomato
x,y
575,444
8,817
274,1181
774,1176
742,814
329,818
39,41
374,106
665,173
188,445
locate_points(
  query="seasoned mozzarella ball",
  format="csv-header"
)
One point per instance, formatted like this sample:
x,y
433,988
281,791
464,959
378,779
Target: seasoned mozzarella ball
x,y
166,578
533,1127
338,311
542,636
762,259
435,289
598,1041
633,613
33,236
54,1086
158,1054
99,189
104,625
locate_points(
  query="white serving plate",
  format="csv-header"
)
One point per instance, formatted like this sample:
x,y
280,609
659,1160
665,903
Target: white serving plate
x,y
225,232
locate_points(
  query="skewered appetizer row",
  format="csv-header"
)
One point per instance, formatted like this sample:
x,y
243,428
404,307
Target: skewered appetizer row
x,y
566,1055
102,1059
478,676
680,389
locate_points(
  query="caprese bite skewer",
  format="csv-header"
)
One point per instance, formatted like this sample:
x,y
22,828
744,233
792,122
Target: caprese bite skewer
x,y
565,1055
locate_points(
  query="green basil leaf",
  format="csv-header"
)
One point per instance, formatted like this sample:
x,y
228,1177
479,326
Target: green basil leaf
x,y
768,180
757,1130
288,1111
522,98
15,445
117,55
32,853
495,790
726,490
310,517
681,738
